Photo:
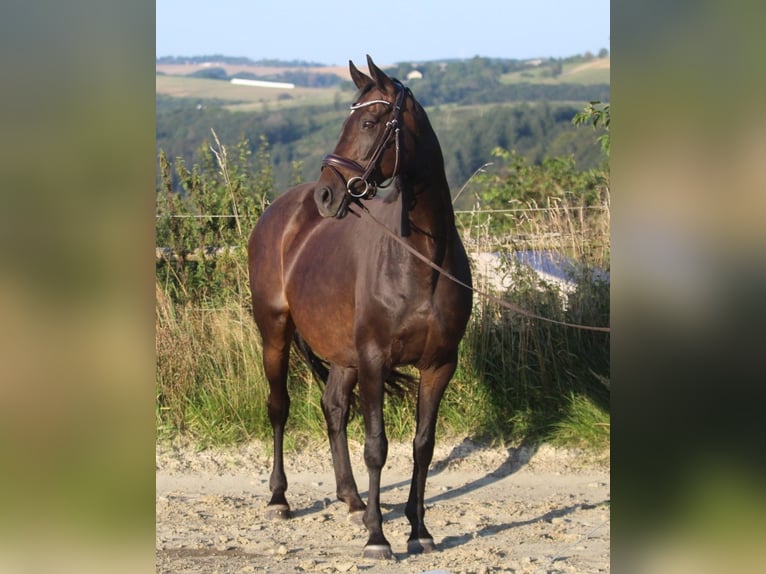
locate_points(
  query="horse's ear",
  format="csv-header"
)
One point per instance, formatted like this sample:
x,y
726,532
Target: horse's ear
x,y
379,76
360,79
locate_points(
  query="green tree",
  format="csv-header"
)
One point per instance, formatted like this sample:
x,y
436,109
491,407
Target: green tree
x,y
599,116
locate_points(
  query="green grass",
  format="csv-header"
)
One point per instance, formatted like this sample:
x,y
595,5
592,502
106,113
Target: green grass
x,y
584,425
209,375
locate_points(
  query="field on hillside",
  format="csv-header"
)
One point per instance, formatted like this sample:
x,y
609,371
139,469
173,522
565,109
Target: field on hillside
x,y
231,69
174,80
596,71
593,71
242,98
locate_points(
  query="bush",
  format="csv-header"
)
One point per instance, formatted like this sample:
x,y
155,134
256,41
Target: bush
x,y
204,216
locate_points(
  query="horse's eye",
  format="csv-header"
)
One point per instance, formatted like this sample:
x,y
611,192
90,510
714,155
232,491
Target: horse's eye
x,y
367,124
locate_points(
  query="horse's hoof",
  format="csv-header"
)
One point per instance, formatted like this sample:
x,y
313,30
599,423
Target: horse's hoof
x,y
421,545
278,512
356,517
378,552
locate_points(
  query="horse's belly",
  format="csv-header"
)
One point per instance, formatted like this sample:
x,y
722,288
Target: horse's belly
x,y
326,330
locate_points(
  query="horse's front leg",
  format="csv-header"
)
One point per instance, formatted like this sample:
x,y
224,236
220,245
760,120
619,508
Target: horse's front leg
x,y
433,382
335,406
371,378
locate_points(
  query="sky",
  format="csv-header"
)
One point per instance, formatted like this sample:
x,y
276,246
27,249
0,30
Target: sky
x,y
332,32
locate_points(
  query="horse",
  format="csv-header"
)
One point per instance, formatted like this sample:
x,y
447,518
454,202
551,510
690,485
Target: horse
x,y
343,271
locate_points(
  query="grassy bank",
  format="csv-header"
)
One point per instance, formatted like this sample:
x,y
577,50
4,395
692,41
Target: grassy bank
x,y
519,379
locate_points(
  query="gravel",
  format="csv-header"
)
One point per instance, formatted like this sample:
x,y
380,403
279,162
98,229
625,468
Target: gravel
x,y
490,509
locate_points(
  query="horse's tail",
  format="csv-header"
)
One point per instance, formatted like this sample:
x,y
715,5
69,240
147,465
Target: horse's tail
x,y
397,383
319,367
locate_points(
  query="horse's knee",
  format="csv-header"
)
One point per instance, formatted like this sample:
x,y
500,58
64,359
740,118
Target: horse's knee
x,y
278,405
330,406
423,448
375,451
334,415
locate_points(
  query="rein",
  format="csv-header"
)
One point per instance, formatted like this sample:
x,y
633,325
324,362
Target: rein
x,y
334,161
489,296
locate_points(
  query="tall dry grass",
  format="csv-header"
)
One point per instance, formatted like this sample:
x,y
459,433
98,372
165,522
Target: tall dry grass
x,y
518,378
524,378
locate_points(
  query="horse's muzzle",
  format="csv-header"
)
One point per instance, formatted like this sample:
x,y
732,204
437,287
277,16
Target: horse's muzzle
x,y
328,205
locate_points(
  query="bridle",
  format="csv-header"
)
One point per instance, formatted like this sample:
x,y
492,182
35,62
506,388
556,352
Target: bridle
x,y
334,161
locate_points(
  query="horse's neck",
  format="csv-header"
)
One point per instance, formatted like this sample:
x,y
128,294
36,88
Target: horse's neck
x,y
431,208
429,222
426,219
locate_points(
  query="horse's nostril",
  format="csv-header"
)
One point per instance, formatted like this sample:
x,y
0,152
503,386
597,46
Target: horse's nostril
x,y
323,198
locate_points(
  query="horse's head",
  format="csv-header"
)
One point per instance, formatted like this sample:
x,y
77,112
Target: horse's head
x,y
370,149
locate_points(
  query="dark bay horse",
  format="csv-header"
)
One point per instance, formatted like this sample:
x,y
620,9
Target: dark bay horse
x,y
356,297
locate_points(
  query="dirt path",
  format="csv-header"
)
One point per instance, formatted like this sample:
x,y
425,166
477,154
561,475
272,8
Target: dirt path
x,y
489,509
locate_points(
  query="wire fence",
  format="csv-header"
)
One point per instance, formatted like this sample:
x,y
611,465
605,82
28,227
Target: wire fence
x,y
457,211
538,238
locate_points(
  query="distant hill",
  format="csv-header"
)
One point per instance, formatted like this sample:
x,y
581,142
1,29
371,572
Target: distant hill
x,y
475,105
465,82
575,70
236,61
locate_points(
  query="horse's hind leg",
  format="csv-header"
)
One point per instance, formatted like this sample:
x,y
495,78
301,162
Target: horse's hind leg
x,y
335,405
433,382
276,352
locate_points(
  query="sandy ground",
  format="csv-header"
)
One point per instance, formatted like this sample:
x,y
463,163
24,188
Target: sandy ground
x,y
496,509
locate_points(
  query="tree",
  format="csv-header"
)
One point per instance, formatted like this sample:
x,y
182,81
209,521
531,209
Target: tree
x,y
599,116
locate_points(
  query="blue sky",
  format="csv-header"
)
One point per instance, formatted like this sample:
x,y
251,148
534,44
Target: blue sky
x,y
334,31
